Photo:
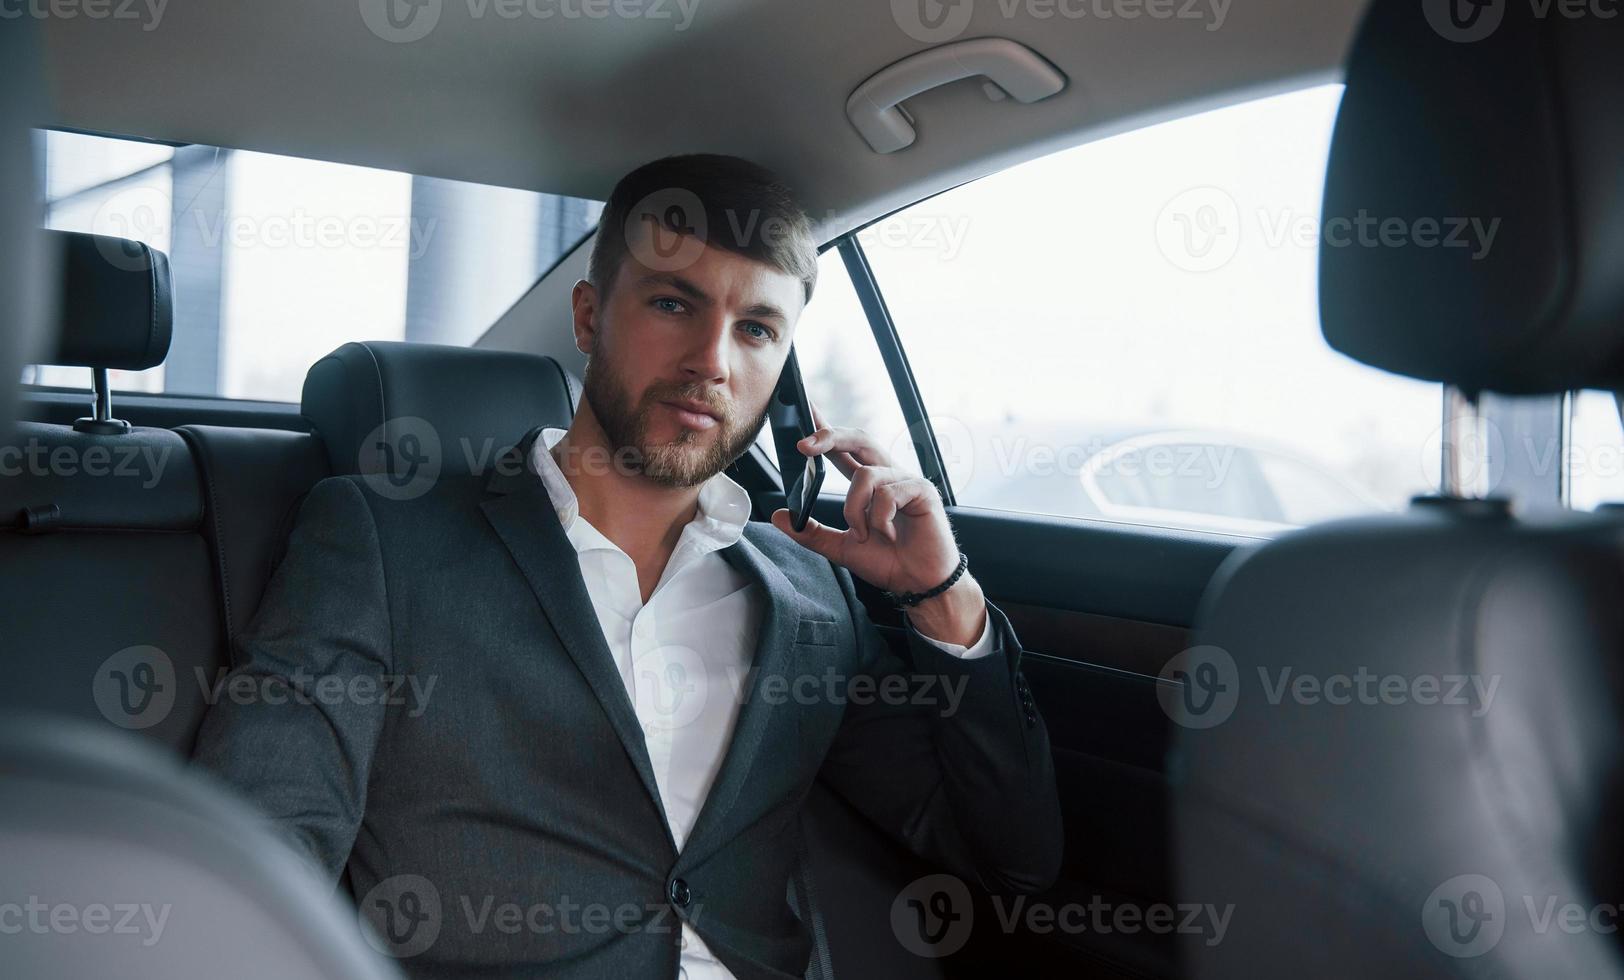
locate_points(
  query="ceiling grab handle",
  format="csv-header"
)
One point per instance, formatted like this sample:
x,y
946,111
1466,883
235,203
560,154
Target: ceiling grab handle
x,y
1014,70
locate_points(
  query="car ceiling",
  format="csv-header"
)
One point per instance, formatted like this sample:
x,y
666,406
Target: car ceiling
x,y
565,104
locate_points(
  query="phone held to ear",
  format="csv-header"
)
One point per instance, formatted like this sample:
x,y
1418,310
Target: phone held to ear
x,y
790,415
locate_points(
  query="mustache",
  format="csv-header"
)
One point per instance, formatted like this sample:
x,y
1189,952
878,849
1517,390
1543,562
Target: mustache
x,y
654,396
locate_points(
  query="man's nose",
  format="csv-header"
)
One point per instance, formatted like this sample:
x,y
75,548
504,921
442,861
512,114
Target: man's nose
x,y
707,355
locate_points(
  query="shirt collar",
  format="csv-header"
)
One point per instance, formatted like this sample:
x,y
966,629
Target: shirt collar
x,y
724,506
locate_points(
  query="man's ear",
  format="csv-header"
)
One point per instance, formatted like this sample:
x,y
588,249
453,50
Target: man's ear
x,y
585,305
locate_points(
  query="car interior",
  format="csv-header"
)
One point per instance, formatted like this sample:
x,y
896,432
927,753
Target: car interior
x,y
1336,694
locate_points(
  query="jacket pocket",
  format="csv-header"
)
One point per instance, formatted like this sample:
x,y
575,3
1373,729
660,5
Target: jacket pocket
x,y
818,632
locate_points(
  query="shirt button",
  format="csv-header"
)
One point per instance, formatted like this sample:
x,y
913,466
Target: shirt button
x,y
679,893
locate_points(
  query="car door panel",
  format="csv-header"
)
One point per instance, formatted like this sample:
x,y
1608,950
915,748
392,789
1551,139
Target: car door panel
x,y
1099,609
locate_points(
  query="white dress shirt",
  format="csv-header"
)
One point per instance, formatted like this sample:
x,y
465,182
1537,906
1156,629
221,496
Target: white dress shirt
x,y
685,653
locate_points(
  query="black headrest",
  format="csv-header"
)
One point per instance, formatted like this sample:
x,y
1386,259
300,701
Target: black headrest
x,y
463,406
117,310
26,266
1473,217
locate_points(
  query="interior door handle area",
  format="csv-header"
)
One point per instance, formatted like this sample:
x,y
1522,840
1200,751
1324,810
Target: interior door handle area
x,y
1013,69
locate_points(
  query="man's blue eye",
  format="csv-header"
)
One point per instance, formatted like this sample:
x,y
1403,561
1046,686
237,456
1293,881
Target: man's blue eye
x,y
765,333
668,305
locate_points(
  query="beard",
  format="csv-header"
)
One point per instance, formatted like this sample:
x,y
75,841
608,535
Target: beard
x,y
693,457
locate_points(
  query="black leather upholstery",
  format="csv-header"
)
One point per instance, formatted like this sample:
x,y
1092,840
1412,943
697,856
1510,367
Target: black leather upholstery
x,y
1423,761
142,480
472,403
117,310
1336,830
190,882
27,265
103,556
254,480
1518,131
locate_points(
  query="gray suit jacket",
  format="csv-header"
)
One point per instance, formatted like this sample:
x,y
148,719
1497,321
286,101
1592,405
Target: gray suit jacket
x,y
425,700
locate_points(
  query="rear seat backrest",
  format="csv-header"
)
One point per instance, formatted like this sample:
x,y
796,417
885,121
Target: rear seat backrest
x,y
84,813
379,404
254,480
106,582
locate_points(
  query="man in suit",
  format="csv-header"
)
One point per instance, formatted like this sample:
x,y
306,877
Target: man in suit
x,y
629,688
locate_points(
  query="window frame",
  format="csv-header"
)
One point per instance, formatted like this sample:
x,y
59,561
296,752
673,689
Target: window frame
x,y
51,393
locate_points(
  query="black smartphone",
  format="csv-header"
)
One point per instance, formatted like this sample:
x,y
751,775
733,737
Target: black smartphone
x,y
790,415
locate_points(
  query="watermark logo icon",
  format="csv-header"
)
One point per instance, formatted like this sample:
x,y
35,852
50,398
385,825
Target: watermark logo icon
x,y
401,21
401,915
1473,445
1464,21
671,687
933,916
954,441
932,21
135,687
138,214
667,230
1200,229
401,459
1465,916
1202,689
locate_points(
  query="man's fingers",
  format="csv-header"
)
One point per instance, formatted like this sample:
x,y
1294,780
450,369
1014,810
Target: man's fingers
x,y
859,505
842,461
817,537
891,499
857,500
833,439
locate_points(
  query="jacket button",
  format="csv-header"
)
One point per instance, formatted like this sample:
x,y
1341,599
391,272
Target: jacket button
x,y
680,894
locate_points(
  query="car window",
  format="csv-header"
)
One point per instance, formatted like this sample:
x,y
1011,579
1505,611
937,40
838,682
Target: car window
x,y
844,374
1128,330
278,260
1595,455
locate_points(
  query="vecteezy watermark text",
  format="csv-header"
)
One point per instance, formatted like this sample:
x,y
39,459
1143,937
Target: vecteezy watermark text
x,y
933,917
143,465
1202,687
403,915
405,21
39,917
149,12
1201,229
940,21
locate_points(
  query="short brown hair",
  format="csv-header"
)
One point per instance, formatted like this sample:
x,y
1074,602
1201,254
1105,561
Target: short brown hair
x,y
722,200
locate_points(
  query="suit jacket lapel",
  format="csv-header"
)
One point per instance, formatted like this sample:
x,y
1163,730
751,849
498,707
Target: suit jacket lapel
x,y
775,657
524,518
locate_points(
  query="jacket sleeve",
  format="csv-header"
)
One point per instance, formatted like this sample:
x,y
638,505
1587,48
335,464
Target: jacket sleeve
x,y
960,769
294,726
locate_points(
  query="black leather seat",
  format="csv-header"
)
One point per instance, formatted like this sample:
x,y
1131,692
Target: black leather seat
x,y
27,268
1452,770
117,862
146,871
106,582
379,406
253,481
411,412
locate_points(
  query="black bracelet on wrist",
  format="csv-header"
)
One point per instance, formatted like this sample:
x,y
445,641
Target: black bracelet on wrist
x,y
905,599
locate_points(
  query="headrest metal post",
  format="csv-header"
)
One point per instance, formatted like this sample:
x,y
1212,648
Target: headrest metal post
x,y
1464,445
102,421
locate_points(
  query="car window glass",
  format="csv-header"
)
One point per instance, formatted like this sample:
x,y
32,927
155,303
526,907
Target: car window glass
x,y
844,374
278,260
1128,330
